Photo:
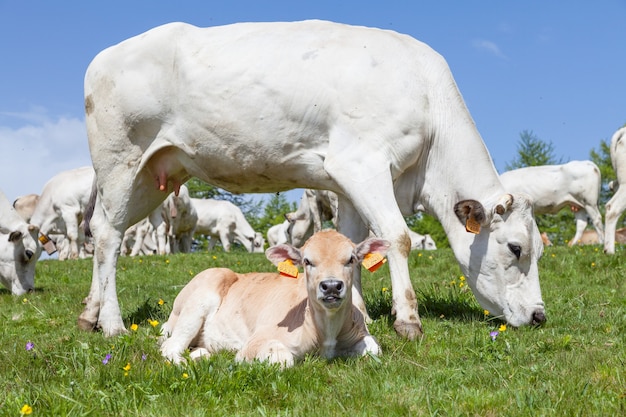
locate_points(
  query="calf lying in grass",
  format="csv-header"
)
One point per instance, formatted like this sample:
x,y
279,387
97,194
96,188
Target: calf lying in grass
x,y
274,318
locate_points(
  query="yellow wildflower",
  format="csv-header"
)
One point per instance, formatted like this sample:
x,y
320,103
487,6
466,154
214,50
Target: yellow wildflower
x,y
462,278
214,257
167,261
153,323
26,410
161,302
134,327
593,264
486,312
461,284
385,289
502,327
127,367
25,300
185,375
419,254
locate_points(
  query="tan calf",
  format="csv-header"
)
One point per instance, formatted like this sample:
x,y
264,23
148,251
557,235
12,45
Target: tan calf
x,y
274,318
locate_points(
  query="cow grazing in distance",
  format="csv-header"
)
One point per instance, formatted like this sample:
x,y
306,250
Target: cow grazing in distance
x,y
617,204
575,185
25,206
181,219
222,310
19,250
279,233
372,115
138,239
221,219
61,207
421,242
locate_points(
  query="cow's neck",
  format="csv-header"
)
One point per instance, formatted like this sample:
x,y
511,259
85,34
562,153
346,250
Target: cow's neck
x,y
326,326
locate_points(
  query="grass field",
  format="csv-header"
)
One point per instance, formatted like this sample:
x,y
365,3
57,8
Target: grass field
x,y
574,365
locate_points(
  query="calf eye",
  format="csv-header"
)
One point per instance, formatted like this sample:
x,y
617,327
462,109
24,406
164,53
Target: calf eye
x,y
351,260
306,262
516,249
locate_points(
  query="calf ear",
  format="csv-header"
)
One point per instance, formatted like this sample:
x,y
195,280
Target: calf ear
x,y
15,236
472,214
371,245
280,253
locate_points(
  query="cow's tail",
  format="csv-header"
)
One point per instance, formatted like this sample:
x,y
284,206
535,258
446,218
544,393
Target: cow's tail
x,y
90,208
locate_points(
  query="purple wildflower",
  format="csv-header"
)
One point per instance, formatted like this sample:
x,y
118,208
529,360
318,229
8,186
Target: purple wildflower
x,y
30,346
494,334
144,357
106,359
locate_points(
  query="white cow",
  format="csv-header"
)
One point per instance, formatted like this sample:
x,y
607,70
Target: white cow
x,y
19,250
138,239
222,310
181,218
574,185
279,233
617,204
221,219
421,242
61,207
370,114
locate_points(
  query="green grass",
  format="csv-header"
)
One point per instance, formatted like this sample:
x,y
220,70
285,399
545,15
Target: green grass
x,y
574,365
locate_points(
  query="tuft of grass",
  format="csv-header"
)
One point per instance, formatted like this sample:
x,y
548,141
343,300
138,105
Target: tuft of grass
x,y
572,365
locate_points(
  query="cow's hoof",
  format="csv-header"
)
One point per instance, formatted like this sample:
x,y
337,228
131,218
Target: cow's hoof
x,y
408,330
86,325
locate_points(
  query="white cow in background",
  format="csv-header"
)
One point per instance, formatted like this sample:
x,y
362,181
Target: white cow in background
x,y
19,250
25,206
181,218
372,115
575,185
279,234
221,219
138,239
421,242
61,207
617,204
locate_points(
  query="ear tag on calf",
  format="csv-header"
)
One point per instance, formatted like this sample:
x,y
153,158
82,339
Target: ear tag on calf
x,y
472,226
373,261
47,244
288,269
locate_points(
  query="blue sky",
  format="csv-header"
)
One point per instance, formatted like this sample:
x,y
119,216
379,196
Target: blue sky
x,y
555,68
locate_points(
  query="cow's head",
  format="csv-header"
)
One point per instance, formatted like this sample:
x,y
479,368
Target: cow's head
x,y
19,252
329,260
501,259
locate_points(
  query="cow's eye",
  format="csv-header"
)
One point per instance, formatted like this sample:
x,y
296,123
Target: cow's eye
x,y
351,260
306,262
516,249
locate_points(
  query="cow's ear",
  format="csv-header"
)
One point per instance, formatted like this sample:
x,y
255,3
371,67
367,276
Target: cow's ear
x,y
472,214
15,236
283,252
371,245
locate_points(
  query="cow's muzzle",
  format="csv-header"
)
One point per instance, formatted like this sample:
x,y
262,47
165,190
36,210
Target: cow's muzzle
x,y
332,291
538,317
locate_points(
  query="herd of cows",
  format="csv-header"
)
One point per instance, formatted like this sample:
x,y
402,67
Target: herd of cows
x,y
276,106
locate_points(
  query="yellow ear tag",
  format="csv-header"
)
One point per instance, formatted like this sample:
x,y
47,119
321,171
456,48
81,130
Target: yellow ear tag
x,y
472,226
288,269
373,261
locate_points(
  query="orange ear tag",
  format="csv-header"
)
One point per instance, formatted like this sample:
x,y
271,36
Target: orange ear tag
x,y
373,261
47,244
472,226
288,269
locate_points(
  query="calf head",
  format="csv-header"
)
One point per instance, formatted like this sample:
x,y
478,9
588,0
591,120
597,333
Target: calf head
x,y
504,246
329,260
19,252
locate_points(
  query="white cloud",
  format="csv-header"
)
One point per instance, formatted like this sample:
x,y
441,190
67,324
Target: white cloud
x,y
489,46
38,149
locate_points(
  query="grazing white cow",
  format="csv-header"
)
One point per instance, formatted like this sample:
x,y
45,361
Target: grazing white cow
x,y
25,206
279,233
222,310
138,239
181,218
61,207
370,114
221,219
575,185
421,242
19,250
617,204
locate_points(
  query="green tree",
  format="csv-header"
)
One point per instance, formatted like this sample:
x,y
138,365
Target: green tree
x,y
273,212
532,151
